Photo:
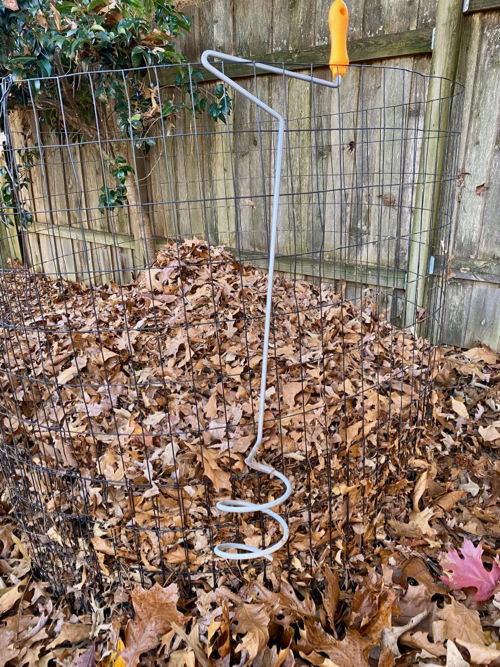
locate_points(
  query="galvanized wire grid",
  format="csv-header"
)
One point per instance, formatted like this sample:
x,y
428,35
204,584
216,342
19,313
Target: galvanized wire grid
x,y
107,492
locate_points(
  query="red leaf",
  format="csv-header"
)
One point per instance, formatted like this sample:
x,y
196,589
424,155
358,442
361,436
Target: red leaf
x,y
469,571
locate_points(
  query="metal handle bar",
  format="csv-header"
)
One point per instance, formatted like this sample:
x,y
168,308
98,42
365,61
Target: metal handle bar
x,y
242,506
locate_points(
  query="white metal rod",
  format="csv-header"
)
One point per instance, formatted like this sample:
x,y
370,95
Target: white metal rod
x,y
243,506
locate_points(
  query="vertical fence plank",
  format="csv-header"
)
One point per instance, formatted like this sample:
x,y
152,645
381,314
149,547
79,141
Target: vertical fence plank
x,y
444,64
10,248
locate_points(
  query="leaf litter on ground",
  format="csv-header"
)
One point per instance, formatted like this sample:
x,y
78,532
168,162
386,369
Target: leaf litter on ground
x,y
393,610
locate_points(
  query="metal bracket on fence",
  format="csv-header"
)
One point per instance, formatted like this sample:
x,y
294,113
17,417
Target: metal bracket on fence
x,y
242,506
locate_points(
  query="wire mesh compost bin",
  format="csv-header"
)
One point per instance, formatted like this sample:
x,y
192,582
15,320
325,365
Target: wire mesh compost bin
x,y
131,381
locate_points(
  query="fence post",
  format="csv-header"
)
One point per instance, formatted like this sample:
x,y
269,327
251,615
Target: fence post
x,y
445,55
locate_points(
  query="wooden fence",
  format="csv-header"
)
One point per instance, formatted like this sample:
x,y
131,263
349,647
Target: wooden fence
x,y
401,33
70,235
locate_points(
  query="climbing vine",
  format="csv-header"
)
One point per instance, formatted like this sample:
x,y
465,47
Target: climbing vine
x,y
73,55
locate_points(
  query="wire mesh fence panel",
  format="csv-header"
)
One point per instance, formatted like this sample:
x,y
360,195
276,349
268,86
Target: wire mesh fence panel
x,y
133,296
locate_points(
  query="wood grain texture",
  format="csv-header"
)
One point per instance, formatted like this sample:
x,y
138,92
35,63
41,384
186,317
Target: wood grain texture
x,y
473,313
438,102
87,235
378,47
10,248
331,271
476,270
476,237
250,28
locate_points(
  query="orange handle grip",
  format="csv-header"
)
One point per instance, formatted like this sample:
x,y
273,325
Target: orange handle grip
x,y
338,19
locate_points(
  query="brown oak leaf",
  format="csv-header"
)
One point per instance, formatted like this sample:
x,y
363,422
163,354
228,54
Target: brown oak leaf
x,y
252,622
155,612
7,652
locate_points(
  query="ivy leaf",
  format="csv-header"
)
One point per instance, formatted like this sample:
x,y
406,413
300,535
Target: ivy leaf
x,y
23,60
469,571
213,110
168,109
136,56
45,67
95,4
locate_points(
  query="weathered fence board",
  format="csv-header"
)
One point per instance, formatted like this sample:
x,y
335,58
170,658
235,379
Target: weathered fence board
x,y
473,307
471,6
273,26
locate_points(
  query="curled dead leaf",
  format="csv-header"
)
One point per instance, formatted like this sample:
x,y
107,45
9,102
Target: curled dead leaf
x,y
420,640
290,391
489,434
332,594
459,408
419,490
351,650
8,651
10,596
417,526
483,353
72,633
211,468
480,654
450,500
415,568
455,621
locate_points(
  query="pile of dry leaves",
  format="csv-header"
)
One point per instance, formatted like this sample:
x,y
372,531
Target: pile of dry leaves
x,y
394,608
408,597
129,410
